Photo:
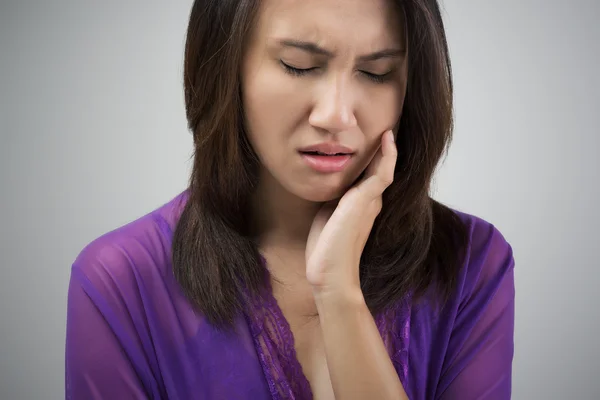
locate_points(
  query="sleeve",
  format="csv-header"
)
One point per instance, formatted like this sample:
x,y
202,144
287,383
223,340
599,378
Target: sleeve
x,y
102,359
478,364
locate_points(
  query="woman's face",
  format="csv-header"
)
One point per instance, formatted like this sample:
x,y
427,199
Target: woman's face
x,y
322,80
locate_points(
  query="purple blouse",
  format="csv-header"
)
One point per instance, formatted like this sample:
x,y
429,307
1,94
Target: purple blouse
x,y
132,334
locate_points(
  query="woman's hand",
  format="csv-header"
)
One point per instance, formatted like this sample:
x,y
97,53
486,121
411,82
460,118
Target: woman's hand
x,y
340,231
357,359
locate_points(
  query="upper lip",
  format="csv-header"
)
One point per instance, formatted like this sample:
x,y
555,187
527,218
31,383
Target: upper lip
x,y
327,148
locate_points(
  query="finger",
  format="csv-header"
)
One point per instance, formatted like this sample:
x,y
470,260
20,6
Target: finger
x,y
319,222
380,173
375,161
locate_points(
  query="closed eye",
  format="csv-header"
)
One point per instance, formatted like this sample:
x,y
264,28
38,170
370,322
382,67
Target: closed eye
x,y
296,71
377,78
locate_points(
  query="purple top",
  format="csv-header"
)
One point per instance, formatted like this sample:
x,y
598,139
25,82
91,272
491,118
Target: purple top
x,y
131,333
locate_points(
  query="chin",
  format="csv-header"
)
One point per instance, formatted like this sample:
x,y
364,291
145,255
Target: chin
x,y
321,194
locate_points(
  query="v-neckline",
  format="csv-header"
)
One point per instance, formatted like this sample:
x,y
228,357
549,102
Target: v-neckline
x,y
275,343
275,346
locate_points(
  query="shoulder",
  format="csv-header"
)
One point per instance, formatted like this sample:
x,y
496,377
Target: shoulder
x,y
475,323
132,252
489,259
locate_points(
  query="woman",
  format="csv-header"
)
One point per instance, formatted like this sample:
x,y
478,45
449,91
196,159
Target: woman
x,y
306,259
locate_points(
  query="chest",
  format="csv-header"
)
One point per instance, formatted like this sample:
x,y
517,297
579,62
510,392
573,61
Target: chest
x,y
299,311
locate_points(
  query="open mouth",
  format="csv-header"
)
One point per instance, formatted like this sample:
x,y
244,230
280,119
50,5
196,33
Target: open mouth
x,y
326,162
327,157
318,153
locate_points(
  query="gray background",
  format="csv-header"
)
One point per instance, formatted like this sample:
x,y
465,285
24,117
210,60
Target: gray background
x,y
93,135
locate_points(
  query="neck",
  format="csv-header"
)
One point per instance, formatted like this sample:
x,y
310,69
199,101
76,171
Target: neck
x,y
281,220
281,223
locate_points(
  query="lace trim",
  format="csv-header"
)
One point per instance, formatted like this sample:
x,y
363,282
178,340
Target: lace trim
x,y
274,344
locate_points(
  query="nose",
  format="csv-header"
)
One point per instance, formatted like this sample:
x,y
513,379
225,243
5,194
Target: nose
x,y
333,110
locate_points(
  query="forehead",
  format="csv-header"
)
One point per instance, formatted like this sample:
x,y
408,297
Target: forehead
x,y
335,24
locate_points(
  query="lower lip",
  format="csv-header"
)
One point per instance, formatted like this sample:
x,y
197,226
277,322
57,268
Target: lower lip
x,y
326,164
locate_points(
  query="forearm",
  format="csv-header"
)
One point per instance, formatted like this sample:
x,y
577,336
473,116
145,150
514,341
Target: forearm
x,y
359,364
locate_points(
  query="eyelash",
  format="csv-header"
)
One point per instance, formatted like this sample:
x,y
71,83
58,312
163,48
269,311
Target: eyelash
x,y
301,72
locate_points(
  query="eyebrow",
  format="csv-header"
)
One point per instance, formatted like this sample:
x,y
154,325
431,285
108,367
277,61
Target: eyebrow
x,y
313,48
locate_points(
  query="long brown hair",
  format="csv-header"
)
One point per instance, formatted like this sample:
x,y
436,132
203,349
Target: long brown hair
x,y
416,244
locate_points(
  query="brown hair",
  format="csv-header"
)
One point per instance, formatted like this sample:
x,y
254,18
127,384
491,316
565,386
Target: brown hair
x,y
416,243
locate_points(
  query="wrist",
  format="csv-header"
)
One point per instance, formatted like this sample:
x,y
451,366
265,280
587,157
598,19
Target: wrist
x,y
338,298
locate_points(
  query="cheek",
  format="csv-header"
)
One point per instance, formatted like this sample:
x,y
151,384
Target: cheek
x,y
381,110
259,97
272,101
381,113
273,111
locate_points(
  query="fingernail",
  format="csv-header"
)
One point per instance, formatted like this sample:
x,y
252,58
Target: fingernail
x,y
391,133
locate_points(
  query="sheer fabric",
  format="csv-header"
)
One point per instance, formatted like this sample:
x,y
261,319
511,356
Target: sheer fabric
x,y
131,333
